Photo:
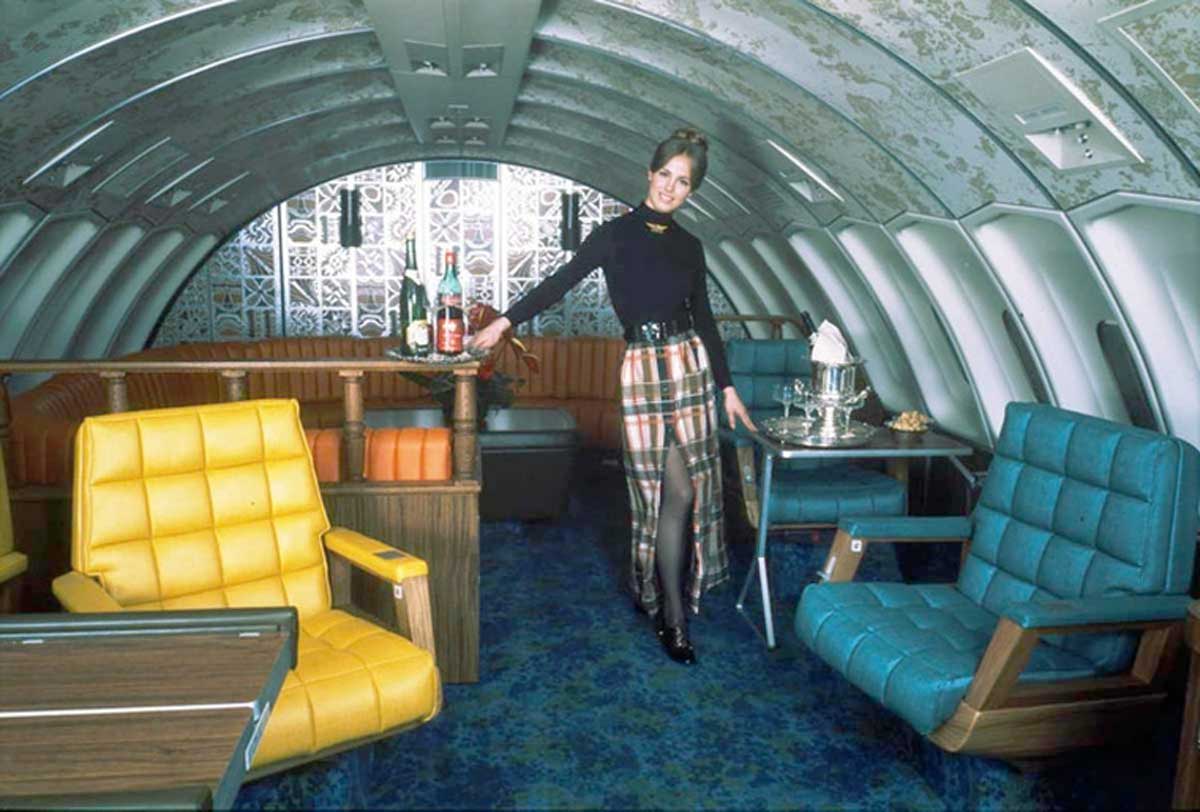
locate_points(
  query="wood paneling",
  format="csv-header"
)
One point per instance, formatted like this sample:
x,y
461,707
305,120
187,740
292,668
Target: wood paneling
x,y
440,525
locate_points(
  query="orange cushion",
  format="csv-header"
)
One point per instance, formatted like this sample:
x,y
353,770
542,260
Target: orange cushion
x,y
326,448
407,454
392,455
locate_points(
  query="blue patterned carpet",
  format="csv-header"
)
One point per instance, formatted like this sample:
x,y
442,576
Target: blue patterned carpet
x,y
578,708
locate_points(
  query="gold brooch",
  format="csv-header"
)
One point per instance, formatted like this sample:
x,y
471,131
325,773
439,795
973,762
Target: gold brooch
x,y
657,228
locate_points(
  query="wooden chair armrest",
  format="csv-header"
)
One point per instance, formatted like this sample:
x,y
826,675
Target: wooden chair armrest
x,y
1011,646
846,553
408,575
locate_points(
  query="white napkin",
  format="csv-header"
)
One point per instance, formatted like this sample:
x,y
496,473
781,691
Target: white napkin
x,y
828,345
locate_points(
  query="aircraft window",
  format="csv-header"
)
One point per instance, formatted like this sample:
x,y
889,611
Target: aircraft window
x,y
1040,393
1129,382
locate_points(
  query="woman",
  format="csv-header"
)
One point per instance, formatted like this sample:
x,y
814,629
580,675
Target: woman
x,y
656,281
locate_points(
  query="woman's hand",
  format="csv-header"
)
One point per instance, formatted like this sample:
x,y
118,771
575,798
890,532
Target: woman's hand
x,y
490,336
736,410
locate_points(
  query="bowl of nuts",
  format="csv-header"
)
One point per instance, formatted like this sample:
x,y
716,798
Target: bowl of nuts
x,y
910,422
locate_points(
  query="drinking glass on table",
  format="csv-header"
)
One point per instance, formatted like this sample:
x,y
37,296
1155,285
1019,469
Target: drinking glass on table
x,y
785,394
806,398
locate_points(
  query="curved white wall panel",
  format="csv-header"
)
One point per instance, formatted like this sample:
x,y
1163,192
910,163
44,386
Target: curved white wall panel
x,y
1149,251
154,296
944,381
860,319
49,333
771,290
804,290
973,306
95,331
1047,275
737,287
35,268
15,222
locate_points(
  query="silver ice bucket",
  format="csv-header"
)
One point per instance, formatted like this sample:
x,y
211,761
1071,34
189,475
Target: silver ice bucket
x,y
835,381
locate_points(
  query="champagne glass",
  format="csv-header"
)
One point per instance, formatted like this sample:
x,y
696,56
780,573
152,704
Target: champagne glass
x,y
785,395
808,398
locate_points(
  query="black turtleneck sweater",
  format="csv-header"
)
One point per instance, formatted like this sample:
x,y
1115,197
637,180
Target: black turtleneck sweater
x,y
655,272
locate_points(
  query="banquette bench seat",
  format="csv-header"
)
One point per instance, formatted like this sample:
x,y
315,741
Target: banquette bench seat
x,y
578,374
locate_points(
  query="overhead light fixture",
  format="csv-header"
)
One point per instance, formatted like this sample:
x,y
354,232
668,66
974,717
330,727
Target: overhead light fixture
x,y
1049,111
442,123
692,202
803,167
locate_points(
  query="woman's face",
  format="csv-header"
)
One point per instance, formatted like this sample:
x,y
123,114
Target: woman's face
x,y
670,185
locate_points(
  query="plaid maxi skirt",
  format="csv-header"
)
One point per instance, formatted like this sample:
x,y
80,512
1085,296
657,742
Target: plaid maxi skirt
x,y
667,397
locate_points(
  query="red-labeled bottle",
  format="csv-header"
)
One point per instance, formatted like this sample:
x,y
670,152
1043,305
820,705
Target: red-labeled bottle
x,y
450,327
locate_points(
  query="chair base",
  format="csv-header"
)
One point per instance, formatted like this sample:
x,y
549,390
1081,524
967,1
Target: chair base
x,y
287,763
1044,730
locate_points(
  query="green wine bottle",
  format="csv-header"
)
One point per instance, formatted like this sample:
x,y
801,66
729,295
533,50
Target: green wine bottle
x,y
414,312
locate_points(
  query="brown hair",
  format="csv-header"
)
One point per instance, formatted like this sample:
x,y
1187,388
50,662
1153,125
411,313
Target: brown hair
x,y
684,141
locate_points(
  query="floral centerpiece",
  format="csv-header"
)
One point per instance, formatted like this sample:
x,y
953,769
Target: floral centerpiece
x,y
493,389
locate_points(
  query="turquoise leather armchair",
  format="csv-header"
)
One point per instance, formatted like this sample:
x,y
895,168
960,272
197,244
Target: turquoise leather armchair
x,y
1068,609
803,492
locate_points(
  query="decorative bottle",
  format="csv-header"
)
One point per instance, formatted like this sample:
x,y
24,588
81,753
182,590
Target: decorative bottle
x,y
450,328
414,313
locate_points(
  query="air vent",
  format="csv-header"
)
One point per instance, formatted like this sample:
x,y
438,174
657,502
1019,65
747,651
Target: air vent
x,y
1049,111
427,58
482,61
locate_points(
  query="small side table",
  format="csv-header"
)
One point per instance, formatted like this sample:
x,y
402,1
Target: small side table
x,y
1187,769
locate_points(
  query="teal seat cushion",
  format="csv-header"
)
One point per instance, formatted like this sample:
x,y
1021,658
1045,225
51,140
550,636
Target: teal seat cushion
x,y
913,648
822,495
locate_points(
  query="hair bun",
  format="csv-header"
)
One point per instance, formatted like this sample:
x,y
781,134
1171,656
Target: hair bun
x,y
691,135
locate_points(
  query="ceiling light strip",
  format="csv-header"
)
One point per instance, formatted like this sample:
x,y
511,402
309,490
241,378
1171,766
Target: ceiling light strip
x,y
115,38
180,179
723,191
50,163
131,162
804,168
217,191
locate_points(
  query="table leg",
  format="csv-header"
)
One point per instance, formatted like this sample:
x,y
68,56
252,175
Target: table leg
x,y
1187,768
759,566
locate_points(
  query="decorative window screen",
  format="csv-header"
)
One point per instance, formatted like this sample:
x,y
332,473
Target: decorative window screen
x,y
286,273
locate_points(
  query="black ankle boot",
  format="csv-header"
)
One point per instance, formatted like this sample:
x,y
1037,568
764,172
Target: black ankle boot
x,y
675,641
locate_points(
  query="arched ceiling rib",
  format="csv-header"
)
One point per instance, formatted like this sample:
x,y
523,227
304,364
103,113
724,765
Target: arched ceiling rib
x,y
174,122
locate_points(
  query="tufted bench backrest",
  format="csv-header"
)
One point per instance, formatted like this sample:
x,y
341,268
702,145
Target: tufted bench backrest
x,y
200,507
1076,506
758,365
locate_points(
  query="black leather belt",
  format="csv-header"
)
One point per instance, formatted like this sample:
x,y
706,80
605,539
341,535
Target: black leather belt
x,y
658,330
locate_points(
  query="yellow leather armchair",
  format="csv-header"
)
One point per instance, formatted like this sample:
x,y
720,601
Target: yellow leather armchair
x,y
218,506
12,563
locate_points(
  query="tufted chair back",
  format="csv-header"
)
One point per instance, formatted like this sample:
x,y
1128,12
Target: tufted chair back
x,y
1075,506
202,507
757,365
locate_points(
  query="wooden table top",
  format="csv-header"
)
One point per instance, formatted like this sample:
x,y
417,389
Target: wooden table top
x,y
129,714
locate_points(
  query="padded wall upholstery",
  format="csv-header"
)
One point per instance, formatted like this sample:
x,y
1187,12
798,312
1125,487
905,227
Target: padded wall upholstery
x,y
758,365
579,374
1075,506
216,506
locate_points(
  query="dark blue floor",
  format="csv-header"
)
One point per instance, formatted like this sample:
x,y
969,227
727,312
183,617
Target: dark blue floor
x,y
577,706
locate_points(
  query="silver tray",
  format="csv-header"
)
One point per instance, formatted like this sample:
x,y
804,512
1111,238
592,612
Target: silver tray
x,y
800,431
436,358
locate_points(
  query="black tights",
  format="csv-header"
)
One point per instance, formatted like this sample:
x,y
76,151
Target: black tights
x,y
671,543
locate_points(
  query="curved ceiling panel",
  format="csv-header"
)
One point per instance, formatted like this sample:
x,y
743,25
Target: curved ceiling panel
x,y
141,132
962,163
663,63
